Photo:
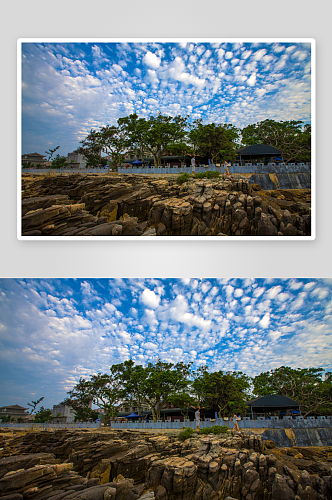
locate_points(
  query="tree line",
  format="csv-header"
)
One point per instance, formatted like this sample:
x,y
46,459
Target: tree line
x,y
157,135
161,384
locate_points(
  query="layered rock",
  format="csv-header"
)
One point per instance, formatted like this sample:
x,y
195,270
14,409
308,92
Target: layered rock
x,y
130,465
129,205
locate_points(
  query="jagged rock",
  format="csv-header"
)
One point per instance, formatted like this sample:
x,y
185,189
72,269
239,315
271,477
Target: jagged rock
x,y
196,208
127,465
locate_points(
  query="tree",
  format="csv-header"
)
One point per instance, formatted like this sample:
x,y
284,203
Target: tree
x,y
293,138
132,379
153,384
310,387
43,415
183,401
162,133
114,143
51,152
134,129
59,162
33,404
80,399
110,140
105,391
227,391
217,142
91,148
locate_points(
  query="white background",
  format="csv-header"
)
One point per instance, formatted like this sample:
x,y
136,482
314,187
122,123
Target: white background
x,y
157,19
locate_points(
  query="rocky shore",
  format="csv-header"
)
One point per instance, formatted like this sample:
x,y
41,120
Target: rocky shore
x,y
130,465
146,205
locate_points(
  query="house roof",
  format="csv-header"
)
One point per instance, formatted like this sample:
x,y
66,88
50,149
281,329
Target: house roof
x,y
273,401
259,149
14,407
34,154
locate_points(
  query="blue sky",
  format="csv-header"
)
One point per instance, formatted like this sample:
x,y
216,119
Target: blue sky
x,y
53,331
70,88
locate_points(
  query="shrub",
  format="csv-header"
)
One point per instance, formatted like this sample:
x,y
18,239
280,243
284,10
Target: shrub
x,y
182,177
209,174
215,429
185,433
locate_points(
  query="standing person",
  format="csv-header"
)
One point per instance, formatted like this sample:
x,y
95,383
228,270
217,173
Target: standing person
x,y
235,419
197,417
193,164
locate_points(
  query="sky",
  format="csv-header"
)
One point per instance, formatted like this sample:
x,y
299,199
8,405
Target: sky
x,y
70,88
54,331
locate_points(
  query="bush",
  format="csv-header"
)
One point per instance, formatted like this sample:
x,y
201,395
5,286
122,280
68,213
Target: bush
x,y
215,429
182,177
209,174
185,433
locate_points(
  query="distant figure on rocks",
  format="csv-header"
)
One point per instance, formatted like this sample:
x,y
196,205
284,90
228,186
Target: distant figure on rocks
x,y
235,418
193,164
197,417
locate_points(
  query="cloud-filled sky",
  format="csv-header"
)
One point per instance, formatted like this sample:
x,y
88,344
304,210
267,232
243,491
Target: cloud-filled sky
x,y
53,331
70,88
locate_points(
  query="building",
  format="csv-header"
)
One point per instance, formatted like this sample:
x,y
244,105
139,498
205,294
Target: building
x,y
273,404
15,411
258,153
35,159
76,160
63,413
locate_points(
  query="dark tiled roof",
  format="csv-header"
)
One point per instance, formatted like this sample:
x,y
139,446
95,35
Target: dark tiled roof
x,y
273,401
260,149
14,407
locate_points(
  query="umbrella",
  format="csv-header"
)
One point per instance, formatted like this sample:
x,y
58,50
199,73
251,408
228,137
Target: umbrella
x,y
278,159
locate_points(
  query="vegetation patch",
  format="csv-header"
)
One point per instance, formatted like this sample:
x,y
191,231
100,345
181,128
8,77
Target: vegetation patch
x,y
209,174
182,177
215,429
186,433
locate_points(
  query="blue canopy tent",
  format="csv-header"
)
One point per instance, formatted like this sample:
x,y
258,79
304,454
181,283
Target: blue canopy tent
x,y
133,415
136,162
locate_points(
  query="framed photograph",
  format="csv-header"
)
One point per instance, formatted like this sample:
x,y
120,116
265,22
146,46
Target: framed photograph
x,y
166,138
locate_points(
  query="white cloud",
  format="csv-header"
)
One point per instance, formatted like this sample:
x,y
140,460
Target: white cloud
x,y
151,60
149,298
265,321
273,292
252,80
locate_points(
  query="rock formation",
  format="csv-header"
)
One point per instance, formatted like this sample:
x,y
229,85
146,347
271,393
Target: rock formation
x,y
142,205
130,465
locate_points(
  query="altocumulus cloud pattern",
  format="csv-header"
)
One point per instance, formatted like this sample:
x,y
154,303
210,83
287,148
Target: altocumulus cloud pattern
x,y
53,331
70,88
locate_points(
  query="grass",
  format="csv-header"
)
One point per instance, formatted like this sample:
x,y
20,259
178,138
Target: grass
x,y
215,429
209,174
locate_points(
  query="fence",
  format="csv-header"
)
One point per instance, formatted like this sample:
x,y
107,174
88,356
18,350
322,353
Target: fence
x,y
235,168
76,425
297,422
56,171
246,423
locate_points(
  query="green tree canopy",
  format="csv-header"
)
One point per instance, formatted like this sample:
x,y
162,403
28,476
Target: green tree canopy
x,y
59,162
310,387
227,391
105,391
153,384
216,141
80,399
43,415
293,138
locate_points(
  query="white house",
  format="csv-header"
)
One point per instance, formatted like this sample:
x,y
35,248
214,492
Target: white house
x,y
79,161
